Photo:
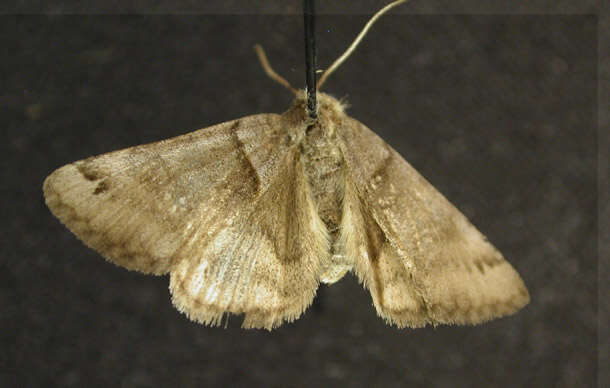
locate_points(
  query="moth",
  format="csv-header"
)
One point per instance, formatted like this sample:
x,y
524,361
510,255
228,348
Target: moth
x,y
249,216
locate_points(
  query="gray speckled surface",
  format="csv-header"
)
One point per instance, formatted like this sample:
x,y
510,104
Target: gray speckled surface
x,y
498,112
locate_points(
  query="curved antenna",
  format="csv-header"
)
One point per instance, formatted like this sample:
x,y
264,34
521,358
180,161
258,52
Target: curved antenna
x,y
260,53
353,46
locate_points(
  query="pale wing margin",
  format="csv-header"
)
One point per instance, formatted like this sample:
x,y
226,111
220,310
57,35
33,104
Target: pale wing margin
x,y
422,260
139,206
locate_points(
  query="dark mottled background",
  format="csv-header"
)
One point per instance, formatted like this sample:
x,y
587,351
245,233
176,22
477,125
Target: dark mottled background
x,y
499,112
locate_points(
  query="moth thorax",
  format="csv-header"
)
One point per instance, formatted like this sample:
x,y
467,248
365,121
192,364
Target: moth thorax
x,y
323,163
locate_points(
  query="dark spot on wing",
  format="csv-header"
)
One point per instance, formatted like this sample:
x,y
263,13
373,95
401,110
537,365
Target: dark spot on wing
x,y
102,187
487,262
90,173
480,266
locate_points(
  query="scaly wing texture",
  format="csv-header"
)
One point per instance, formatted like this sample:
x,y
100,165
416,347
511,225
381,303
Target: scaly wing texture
x,y
192,202
421,259
138,206
266,264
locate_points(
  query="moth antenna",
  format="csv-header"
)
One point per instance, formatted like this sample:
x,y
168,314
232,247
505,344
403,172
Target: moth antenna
x,y
354,44
260,53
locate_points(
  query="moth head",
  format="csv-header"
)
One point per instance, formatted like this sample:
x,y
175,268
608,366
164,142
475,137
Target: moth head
x,y
330,109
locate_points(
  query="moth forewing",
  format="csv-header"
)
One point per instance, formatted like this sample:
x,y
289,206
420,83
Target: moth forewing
x,y
447,271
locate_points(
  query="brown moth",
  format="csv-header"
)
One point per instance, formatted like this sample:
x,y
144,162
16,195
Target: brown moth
x,y
249,216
